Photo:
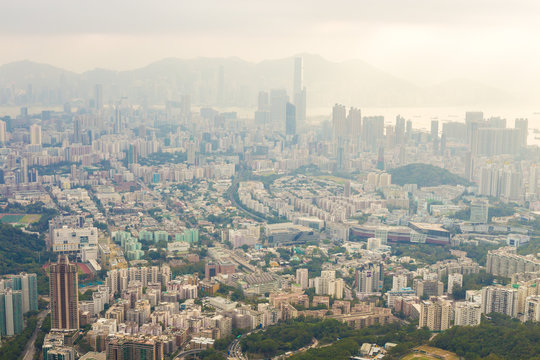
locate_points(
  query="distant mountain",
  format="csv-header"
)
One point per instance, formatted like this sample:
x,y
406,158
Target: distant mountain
x,y
354,83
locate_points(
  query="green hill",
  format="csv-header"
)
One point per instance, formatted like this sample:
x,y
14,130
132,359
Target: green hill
x,y
425,175
20,251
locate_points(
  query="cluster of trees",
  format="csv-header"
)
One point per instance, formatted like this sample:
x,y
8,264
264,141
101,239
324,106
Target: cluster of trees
x,y
424,253
160,158
497,337
478,252
293,335
236,293
13,348
425,175
189,269
21,251
406,335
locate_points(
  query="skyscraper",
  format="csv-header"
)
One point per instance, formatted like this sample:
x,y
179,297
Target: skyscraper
x,y
35,134
299,91
290,119
278,102
3,132
63,292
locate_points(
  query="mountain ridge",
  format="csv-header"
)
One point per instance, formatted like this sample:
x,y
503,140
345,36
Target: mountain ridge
x,y
352,82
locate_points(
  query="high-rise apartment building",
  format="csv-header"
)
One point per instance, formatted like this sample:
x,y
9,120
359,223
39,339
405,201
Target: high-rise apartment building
x,y
500,299
454,279
505,262
435,314
302,278
63,292
339,123
532,309
290,119
11,312
399,282
523,126
467,314
27,284
372,132
3,132
370,278
35,134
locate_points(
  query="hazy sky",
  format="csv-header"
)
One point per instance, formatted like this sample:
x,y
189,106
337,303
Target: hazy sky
x,y
494,41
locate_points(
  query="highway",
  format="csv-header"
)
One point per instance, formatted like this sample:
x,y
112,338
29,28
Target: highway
x,y
30,349
188,352
235,350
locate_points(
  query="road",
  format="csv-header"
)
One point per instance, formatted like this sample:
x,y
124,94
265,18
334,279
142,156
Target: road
x,y
235,350
29,350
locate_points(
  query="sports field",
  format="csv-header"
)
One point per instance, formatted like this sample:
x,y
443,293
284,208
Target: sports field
x,y
23,219
425,352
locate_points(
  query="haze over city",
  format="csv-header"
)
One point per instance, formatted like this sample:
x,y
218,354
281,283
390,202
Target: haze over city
x,y
426,43
300,180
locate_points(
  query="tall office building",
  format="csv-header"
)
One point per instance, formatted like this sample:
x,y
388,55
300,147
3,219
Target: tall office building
x,y
500,299
278,104
3,132
290,119
11,312
302,278
299,92
63,292
98,96
35,134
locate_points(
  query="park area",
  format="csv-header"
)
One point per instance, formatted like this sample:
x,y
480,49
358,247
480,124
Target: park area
x,y
425,352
